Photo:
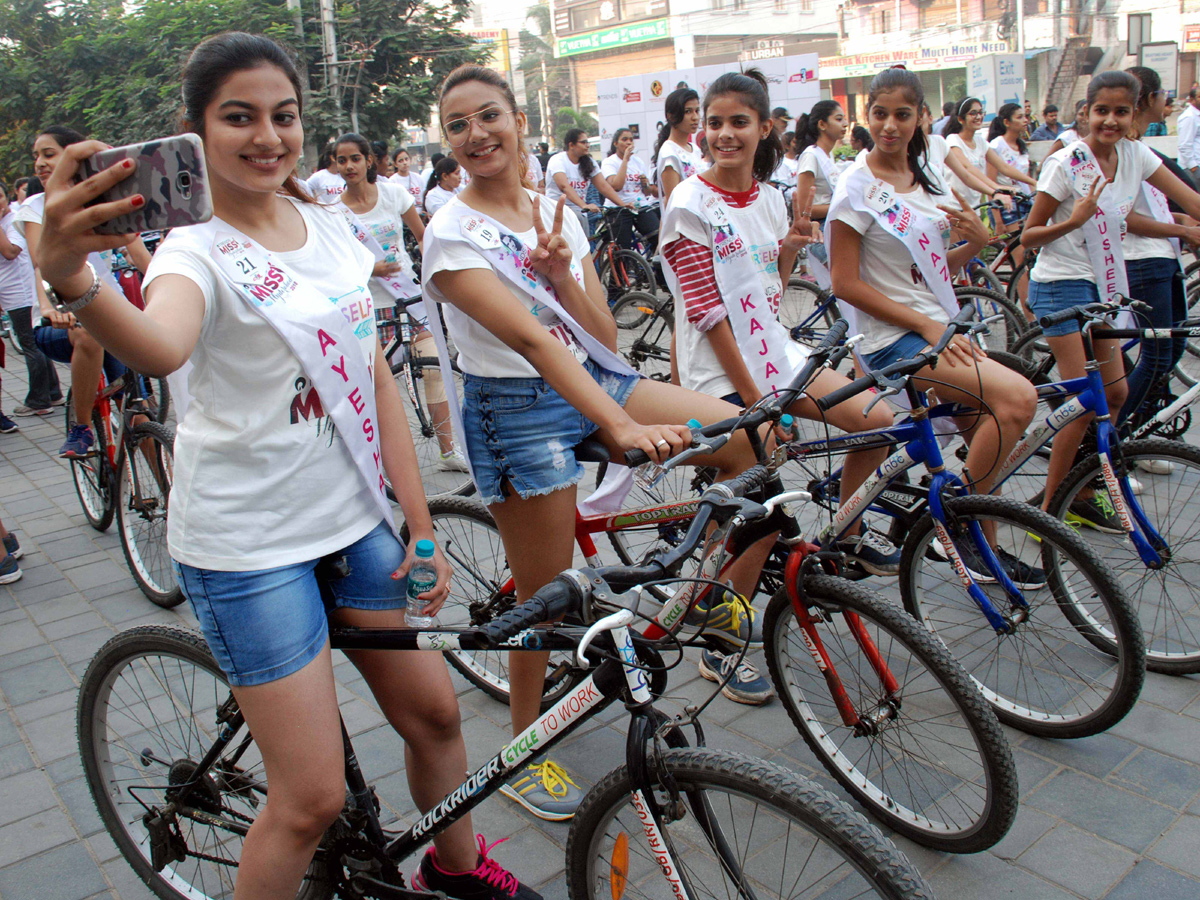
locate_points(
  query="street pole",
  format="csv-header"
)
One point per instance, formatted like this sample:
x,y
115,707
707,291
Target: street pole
x,y
1021,27
332,77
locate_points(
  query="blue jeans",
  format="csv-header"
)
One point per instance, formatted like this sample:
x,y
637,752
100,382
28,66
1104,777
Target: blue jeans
x,y
1046,297
1158,282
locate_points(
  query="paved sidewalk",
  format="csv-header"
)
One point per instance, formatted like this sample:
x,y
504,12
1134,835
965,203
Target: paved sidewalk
x,y
1115,816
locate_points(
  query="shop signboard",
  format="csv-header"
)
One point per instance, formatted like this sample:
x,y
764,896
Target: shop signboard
x,y
610,38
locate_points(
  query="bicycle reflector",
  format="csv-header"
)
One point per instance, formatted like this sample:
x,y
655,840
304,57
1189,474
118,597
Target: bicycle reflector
x,y
618,875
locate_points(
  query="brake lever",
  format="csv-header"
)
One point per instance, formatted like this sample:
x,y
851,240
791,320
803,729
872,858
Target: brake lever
x,y
698,448
880,395
618,619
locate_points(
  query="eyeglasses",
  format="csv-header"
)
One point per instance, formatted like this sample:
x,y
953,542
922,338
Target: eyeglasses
x,y
491,119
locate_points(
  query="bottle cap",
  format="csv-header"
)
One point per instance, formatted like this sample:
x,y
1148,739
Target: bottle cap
x,y
693,424
786,420
425,549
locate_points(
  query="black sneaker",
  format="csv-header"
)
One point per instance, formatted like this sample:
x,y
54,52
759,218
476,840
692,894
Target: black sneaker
x,y
1021,573
13,546
488,881
7,425
970,558
9,570
1096,512
872,551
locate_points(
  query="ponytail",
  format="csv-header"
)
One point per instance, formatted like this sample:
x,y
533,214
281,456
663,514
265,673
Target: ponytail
x,y
444,167
808,126
910,83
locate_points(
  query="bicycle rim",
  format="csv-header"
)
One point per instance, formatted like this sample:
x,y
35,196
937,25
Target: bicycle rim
x,y
145,484
1167,599
92,475
147,715
430,428
748,828
1047,676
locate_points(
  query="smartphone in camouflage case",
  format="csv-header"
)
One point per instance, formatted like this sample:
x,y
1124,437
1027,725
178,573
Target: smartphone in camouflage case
x,y
170,175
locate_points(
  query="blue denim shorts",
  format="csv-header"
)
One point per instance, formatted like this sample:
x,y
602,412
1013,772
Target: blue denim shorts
x,y
523,430
1047,297
55,343
904,347
267,624
1020,210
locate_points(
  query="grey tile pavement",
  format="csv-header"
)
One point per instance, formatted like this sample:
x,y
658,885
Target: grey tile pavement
x,y
1115,816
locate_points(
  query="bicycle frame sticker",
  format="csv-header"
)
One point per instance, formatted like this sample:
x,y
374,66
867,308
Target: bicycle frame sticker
x,y
1036,439
898,462
1114,492
475,783
658,847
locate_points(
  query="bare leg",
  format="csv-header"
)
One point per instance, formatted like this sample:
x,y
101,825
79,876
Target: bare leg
x,y
87,363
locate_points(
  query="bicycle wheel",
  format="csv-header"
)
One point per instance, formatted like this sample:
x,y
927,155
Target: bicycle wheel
x,y
11,334
624,271
646,345
144,488
480,591
93,476
1019,273
1002,334
1046,676
807,311
429,423
745,828
150,706
928,758
983,277
1167,599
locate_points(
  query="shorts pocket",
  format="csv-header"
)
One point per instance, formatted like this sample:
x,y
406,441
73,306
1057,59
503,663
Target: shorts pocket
x,y
514,399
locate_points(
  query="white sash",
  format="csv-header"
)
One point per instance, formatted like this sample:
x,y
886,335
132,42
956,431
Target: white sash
x,y
1010,156
1160,209
484,234
829,170
400,285
1101,233
317,333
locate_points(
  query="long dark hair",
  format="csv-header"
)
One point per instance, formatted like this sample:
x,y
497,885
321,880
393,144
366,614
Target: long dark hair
x,y
863,136
955,125
677,102
443,167
364,147
999,125
587,165
1115,81
492,79
910,83
808,125
612,147
63,135
222,55
751,86
1150,81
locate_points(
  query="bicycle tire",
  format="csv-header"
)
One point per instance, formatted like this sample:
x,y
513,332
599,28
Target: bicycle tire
x,y
1004,334
1167,603
173,675
624,271
949,783
1011,290
470,541
800,302
11,334
142,515
92,475
983,277
647,346
791,813
1116,676
437,479
162,396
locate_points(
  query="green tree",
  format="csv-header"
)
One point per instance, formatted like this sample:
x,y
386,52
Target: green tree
x,y
537,56
569,118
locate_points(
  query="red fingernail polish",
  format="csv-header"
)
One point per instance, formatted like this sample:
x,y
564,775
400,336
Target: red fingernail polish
x,y
127,164
137,201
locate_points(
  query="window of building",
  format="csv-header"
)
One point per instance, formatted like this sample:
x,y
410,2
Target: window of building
x,y
586,16
635,9
1139,32
939,12
881,21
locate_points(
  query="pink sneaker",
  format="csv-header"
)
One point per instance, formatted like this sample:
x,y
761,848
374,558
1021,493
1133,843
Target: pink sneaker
x,y
488,881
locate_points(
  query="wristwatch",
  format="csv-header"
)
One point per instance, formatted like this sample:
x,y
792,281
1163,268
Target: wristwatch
x,y
73,306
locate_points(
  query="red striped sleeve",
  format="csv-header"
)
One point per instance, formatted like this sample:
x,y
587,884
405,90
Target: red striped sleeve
x,y
693,267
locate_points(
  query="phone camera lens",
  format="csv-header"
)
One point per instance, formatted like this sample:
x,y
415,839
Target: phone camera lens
x,y
183,182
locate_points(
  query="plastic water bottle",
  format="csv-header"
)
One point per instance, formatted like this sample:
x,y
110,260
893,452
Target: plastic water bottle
x,y
422,577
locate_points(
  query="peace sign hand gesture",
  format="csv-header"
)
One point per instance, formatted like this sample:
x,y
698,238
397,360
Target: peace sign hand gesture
x,y
552,255
966,224
1085,207
804,230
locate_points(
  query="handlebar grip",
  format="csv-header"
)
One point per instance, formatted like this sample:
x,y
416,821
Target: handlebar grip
x,y
834,336
1057,318
754,477
833,398
635,458
554,600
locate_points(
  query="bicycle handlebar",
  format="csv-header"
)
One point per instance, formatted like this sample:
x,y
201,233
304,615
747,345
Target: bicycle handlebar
x,y
1092,311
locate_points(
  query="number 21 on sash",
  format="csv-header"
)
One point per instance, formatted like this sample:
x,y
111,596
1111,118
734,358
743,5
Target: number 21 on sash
x,y
245,265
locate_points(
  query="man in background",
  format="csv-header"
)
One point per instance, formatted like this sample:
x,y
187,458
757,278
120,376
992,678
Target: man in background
x,y
1188,125
1050,128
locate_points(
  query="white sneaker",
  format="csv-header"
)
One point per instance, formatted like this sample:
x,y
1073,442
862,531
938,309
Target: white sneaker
x,y
452,462
1135,486
1156,466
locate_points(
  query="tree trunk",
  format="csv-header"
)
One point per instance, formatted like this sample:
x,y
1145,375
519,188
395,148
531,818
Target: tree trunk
x,y
310,138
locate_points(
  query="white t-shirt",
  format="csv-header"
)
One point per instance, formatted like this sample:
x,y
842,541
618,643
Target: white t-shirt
x,y
261,477
1137,246
976,154
686,161
1019,161
536,175
480,352
1069,136
16,275
560,163
1067,258
435,198
34,209
631,191
810,162
785,174
413,183
385,225
935,155
886,265
763,224
326,185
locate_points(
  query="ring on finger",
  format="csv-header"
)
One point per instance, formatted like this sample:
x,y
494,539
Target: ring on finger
x,y
660,443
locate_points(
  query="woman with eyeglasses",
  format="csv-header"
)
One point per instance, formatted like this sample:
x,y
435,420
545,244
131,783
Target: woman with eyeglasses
x,y
967,141
569,173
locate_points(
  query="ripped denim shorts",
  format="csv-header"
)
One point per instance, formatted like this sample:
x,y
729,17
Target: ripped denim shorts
x,y
523,430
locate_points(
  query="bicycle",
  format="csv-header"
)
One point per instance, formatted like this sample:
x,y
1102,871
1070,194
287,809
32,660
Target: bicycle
x,y
880,702
646,345
429,423
178,781
1057,653
1150,550
621,269
128,473
7,332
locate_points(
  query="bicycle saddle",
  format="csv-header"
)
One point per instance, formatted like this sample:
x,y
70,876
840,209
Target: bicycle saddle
x,y
589,450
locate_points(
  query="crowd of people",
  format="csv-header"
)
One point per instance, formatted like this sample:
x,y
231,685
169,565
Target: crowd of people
x,y
736,191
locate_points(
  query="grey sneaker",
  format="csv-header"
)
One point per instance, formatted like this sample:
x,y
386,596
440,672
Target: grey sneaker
x,y
873,552
747,685
546,790
9,570
452,462
26,411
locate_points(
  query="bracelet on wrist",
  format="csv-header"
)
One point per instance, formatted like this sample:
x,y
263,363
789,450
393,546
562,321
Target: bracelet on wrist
x,y
74,304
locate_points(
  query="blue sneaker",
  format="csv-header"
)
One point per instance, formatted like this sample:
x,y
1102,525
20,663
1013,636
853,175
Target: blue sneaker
x,y
9,570
7,425
12,546
872,551
747,684
79,443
